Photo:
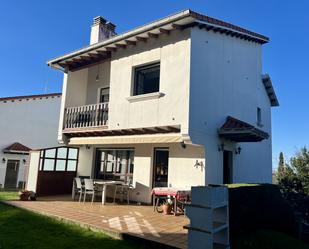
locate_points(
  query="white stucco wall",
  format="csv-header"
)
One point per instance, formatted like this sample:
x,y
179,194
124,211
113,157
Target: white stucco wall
x,y
226,80
173,51
171,109
31,122
32,173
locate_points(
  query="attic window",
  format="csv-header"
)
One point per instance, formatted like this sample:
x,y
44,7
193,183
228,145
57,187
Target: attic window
x,y
146,79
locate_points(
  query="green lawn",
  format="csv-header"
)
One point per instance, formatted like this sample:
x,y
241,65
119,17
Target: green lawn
x,y
26,230
8,195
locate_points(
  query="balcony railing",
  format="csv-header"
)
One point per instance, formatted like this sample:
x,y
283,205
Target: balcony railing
x,y
86,116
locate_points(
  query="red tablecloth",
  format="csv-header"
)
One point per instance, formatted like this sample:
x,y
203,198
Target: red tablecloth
x,y
177,193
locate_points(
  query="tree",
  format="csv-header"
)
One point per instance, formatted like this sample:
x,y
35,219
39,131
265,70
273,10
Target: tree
x,y
300,165
281,167
293,180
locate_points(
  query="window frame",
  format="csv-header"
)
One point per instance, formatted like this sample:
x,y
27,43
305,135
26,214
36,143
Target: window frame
x,y
100,93
127,175
135,70
43,157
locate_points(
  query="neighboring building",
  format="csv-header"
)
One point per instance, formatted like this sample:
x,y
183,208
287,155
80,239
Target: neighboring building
x,y
27,122
178,102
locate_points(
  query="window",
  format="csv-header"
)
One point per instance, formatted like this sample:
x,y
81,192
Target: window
x,y
259,116
104,95
59,159
115,164
146,79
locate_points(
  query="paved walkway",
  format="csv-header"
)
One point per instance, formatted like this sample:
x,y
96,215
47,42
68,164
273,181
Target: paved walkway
x,y
116,220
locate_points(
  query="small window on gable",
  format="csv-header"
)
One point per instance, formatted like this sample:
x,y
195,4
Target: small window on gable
x,y
146,79
259,116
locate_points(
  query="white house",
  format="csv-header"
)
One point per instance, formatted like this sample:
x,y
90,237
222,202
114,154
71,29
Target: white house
x,y
27,122
179,102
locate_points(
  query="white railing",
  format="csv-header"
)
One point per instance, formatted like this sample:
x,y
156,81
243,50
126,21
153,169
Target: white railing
x,y
86,116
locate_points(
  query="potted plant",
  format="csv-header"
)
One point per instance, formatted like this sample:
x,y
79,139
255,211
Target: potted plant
x,y
167,206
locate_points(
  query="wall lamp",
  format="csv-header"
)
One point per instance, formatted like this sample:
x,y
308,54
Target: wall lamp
x,y
24,161
221,147
87,147
3,160
183,145
238,150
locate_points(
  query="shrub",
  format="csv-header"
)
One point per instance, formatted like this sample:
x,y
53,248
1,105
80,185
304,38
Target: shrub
x,y
253,207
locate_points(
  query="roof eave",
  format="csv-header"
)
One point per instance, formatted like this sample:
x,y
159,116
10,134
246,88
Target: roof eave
x,y
183,17
274,102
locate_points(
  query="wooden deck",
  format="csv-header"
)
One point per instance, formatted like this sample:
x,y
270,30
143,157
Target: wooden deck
x,y
116,220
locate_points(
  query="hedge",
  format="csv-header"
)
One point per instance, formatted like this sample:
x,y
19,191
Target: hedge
x,y
259,206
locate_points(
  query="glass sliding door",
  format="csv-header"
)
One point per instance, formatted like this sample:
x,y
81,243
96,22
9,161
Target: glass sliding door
x,y
115,164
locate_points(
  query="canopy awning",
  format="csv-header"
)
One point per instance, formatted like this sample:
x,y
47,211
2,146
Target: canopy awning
x,y
131,139
239,131
17,148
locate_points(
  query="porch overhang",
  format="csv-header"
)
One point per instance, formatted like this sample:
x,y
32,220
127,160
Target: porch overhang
x,y
239,131
17,148
131,139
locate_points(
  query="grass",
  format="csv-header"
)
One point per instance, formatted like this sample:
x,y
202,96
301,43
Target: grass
x,y
8,195
26,230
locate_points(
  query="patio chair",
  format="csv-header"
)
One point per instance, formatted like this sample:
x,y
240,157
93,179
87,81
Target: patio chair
x,y
78,188
124,190
89,189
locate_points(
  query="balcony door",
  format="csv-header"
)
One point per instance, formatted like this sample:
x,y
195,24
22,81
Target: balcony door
x,y
104,95
160,171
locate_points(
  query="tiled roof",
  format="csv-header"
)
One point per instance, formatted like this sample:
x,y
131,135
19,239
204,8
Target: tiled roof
x,y
240,131
31,96
235,124
17,148
185,19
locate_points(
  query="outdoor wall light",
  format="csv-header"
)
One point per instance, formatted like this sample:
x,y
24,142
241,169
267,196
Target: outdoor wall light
x,y
87,147
238,150
221,147
24,161
183,145
3,160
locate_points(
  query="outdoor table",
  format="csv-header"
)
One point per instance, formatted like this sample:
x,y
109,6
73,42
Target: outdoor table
x,y
104,184
175,193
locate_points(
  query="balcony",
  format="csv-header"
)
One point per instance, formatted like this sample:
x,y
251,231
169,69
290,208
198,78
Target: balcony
x,y
95,115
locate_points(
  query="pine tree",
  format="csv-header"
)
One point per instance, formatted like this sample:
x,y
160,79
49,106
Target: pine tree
x,y
281,167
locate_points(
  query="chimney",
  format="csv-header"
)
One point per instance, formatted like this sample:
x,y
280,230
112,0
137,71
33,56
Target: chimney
x,y
101,30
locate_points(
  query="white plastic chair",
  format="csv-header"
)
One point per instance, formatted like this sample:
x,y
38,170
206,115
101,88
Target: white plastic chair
x,y
78,188
89,189
124,190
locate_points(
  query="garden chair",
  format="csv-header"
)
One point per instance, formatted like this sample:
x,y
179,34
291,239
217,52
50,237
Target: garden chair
x,y
78,188
89,189
124,190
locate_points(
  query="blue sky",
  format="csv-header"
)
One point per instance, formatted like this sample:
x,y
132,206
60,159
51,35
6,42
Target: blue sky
x,y
34,31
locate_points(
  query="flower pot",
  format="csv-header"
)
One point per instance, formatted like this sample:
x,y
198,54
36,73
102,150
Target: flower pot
x,y
167,209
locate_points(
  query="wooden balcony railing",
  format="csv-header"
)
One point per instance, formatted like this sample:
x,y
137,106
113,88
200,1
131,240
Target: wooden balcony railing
x,y
86,116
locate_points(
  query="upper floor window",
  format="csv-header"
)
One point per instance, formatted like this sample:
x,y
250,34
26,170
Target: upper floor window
x,y
104,95
259,116
146,79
